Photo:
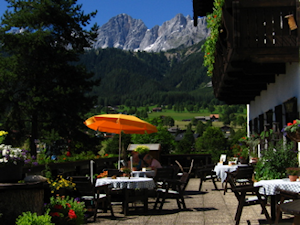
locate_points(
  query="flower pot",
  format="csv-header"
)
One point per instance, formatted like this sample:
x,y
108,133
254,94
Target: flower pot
x,y
293,177
11,173
295,136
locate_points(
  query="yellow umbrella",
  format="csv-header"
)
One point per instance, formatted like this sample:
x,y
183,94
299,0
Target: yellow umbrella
x,y
118,123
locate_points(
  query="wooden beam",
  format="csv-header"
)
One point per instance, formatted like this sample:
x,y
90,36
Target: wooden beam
x,y
266,3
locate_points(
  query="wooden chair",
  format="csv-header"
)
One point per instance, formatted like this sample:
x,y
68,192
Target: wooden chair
x,y
161,174
93,197
285,196
242,175
172,188
246,195
207,173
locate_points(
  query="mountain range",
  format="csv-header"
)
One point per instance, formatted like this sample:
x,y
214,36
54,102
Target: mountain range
x,y
126,33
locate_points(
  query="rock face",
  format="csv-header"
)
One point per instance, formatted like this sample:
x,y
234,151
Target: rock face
x,y
126,33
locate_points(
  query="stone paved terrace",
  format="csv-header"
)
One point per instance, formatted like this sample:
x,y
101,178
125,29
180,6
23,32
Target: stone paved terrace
x,y
210,207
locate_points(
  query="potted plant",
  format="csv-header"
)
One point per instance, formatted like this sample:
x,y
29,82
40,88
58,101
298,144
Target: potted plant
x,y
61,186
292,130
66,211
142,150
241,151
11,163
293,173
127,172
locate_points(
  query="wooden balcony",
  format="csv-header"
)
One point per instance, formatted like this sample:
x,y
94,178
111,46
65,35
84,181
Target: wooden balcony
x,y
254,45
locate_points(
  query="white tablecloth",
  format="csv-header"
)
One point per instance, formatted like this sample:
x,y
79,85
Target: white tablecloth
x,y
222,169
269,187
150,173
124,182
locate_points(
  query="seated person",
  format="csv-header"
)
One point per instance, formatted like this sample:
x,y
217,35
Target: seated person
x,y
153,163
136,161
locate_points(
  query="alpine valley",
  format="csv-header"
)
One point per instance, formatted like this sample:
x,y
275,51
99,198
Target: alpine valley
x,y
140,66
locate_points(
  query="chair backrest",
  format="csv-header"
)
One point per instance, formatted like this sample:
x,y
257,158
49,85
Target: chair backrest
x,y
102,189
164,173
84,187
206,170
244,172
184,180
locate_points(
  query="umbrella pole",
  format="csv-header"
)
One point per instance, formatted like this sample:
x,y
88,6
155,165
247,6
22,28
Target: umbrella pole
x,y
119,151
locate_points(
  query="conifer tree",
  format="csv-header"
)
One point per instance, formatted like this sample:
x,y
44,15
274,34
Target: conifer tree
x,y
42,87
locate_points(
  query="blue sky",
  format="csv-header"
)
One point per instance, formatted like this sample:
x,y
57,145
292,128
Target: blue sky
x,y
151,12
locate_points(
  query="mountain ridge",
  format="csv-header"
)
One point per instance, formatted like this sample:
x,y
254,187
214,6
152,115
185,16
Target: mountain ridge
x,y
127,33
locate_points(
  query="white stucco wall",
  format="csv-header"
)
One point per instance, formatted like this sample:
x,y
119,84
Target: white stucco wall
x,y
285,87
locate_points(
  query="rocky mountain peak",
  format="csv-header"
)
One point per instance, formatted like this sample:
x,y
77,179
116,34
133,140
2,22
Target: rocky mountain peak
x,y
127,33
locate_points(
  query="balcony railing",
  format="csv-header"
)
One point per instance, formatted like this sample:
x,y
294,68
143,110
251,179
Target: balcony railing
x,y
254,44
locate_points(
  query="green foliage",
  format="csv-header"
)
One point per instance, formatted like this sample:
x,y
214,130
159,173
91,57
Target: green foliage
x,y
292,127
43,80
142,149
112,145
187,144
294,171
163,137
127,78
213,22
275,160
212,141
29,218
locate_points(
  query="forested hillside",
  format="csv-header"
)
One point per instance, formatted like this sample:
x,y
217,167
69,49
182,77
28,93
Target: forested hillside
x,y
141,78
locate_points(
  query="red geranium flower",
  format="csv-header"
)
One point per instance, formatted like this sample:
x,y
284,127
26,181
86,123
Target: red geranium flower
x,y
72,214
68,204
58,207
68,153
53,214
289,124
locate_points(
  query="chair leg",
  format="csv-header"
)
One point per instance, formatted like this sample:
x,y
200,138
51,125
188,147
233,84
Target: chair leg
x,y
157,200
278,211
110,207
225,187
145,192
263,206
200,185
163,200
240,208
214,182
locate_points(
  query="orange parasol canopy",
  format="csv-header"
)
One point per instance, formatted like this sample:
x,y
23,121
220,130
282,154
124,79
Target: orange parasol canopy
x,y
117,123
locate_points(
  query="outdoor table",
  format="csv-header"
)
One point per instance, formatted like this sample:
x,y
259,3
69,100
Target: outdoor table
x,y
125,182
222,169
270,188
149,173
134,189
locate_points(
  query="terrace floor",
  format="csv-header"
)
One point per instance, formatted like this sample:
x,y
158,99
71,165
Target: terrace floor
x,y
210,207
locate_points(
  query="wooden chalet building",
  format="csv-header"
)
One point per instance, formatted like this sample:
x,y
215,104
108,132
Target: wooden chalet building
x,y
257,59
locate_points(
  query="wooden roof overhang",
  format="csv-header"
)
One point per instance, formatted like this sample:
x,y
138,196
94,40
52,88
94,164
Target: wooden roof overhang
x,y
254,45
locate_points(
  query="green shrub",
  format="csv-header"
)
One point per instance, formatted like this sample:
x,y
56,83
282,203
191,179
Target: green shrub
x,y
29,218
275,160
